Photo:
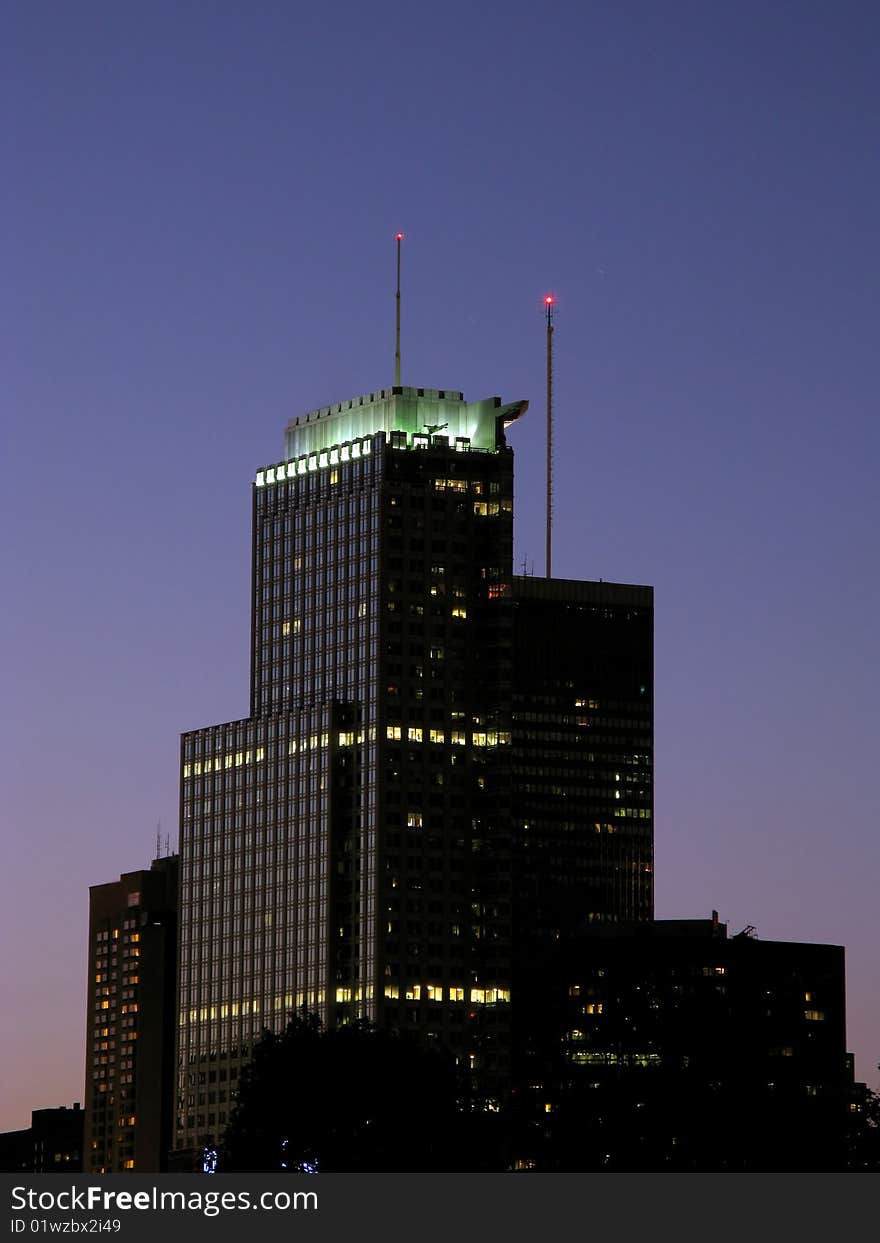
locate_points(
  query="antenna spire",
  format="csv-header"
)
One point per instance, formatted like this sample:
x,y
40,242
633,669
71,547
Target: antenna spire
x,y
549,305
399,239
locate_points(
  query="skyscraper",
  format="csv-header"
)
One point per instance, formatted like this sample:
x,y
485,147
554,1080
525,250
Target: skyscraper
x,y
374,838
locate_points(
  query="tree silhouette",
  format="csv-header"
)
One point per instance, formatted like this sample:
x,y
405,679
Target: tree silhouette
x,y
351,1099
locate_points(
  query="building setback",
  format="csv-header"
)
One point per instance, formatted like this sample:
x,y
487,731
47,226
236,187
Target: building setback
x,y
130,1020
375,838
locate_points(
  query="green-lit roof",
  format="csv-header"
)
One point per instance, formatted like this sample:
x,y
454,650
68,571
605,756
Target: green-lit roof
x,y
402,409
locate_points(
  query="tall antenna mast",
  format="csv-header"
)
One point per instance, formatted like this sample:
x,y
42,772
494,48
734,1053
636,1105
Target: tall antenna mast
x,y
549,304
399,237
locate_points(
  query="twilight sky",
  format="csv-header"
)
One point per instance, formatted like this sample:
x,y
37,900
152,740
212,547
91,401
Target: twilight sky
x,y
199,201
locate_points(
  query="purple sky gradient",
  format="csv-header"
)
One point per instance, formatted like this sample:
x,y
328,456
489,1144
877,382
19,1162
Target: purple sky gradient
x,y
199,203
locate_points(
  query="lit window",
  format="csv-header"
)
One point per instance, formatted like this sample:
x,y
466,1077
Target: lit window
x,y
413,819
414,733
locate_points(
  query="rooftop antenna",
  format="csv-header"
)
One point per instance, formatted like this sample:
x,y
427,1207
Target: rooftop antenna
x,y
399,239
158,838
549,306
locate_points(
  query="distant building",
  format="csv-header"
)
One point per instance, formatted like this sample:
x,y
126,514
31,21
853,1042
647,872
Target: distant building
x,y
52,1144
130,1020
668,1045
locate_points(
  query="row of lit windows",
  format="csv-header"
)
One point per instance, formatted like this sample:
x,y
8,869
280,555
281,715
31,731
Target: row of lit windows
x,y
461,738
236,759
462,485
342,995
243,734
439,992
314,461
586,1057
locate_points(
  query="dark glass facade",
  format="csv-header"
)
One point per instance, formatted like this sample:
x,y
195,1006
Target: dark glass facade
x,y
582,757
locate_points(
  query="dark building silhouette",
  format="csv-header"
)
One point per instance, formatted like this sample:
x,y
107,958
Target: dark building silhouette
x,y
669,1045
52,1144
443,763
581,764
130,1020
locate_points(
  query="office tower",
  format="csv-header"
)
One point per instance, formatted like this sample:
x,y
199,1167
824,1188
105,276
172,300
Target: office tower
x,y
350,848
130,1020
582,755
669,1045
